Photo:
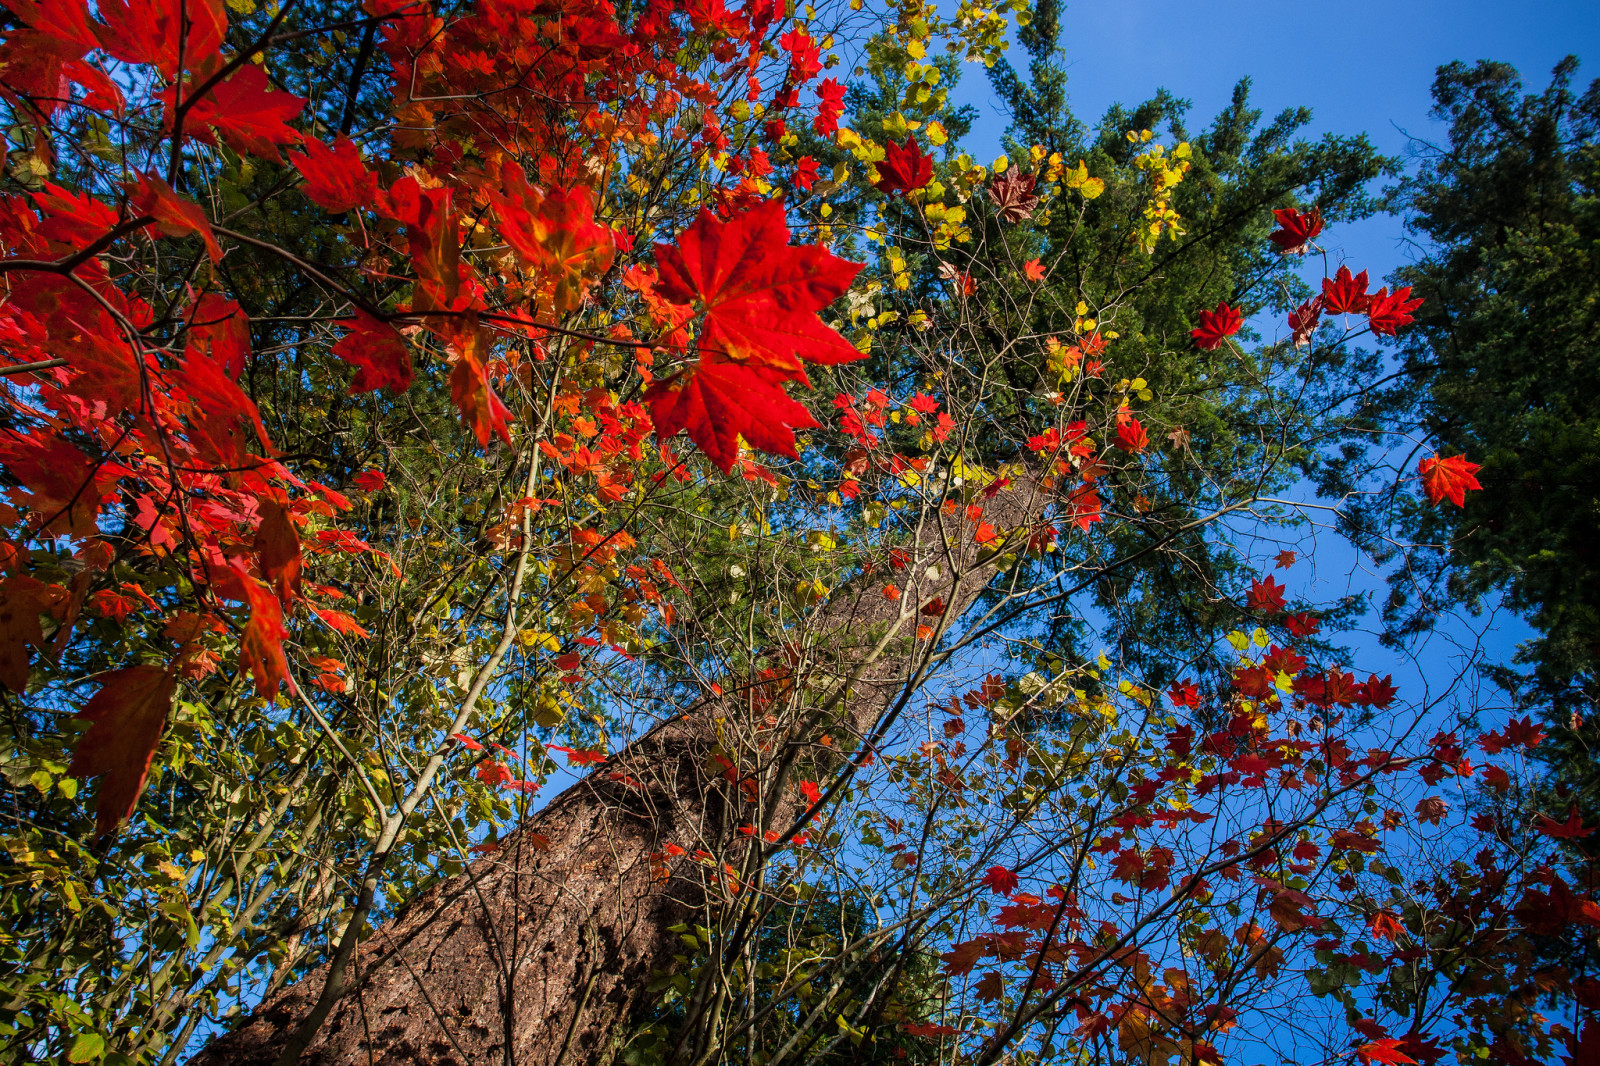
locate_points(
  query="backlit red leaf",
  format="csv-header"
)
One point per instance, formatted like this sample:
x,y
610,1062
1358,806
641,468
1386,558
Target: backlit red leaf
x,y
126,718
174,216
1448,479
1216,325
336,179
246,113
904,168
1295,230
718,402
380,355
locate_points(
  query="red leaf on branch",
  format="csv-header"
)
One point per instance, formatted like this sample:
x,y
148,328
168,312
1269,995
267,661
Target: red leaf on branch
x,y
22,601
1385,925
579,756
341,622
148,31
1345,295
1384,1051
475,398
1295,230
1225,321
380,355
174,216
261,647
830,105
1266,595
336,179
67,21
277,545
247,113
1131,436
1387,313
1448,479
1303,321
1000,881
1033,271
760,298
1571,829
76,220
554,233
218,327
904,168
126,718
1013,195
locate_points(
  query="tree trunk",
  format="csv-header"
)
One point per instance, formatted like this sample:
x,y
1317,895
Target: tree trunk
x,y
539,953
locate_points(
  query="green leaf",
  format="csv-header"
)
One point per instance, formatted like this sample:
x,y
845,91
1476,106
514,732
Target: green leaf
x,y
87,1048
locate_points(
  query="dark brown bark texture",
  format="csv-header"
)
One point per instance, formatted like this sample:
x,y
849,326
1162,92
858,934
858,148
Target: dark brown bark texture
x,y
540,953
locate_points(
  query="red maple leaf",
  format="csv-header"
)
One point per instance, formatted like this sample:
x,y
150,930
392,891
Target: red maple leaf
x,y
378,353
1225,321
830,105
218,326
760,298
1285,559
1303,321
126,718
1571,829
805,173
1384,1051
76,220
1295,230
261,647
1184,694
148,31
1033,271
246,112
174,216
1387,313
1266,595
579,756
1345,294
277,545
341,622
475,398
1448,479
904,168
336,179
1386,925
67,21
1303,624
1000,881
1131,436
720,402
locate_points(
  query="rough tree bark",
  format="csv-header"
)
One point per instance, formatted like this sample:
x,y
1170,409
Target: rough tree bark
x,y
538,954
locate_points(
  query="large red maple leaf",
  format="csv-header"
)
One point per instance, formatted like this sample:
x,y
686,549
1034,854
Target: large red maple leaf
x,y
1216,325
1295,230
759,297
336,178
904,168
378,353
1448,479
125,721
247,113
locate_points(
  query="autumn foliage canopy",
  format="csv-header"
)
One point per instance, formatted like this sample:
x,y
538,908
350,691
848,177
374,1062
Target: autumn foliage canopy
x,y
385,416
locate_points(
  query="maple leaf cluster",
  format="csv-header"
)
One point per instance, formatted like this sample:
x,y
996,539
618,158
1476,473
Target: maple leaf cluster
x,y
155,431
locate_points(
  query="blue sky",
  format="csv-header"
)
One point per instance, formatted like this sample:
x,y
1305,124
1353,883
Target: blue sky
x,y
1359,68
